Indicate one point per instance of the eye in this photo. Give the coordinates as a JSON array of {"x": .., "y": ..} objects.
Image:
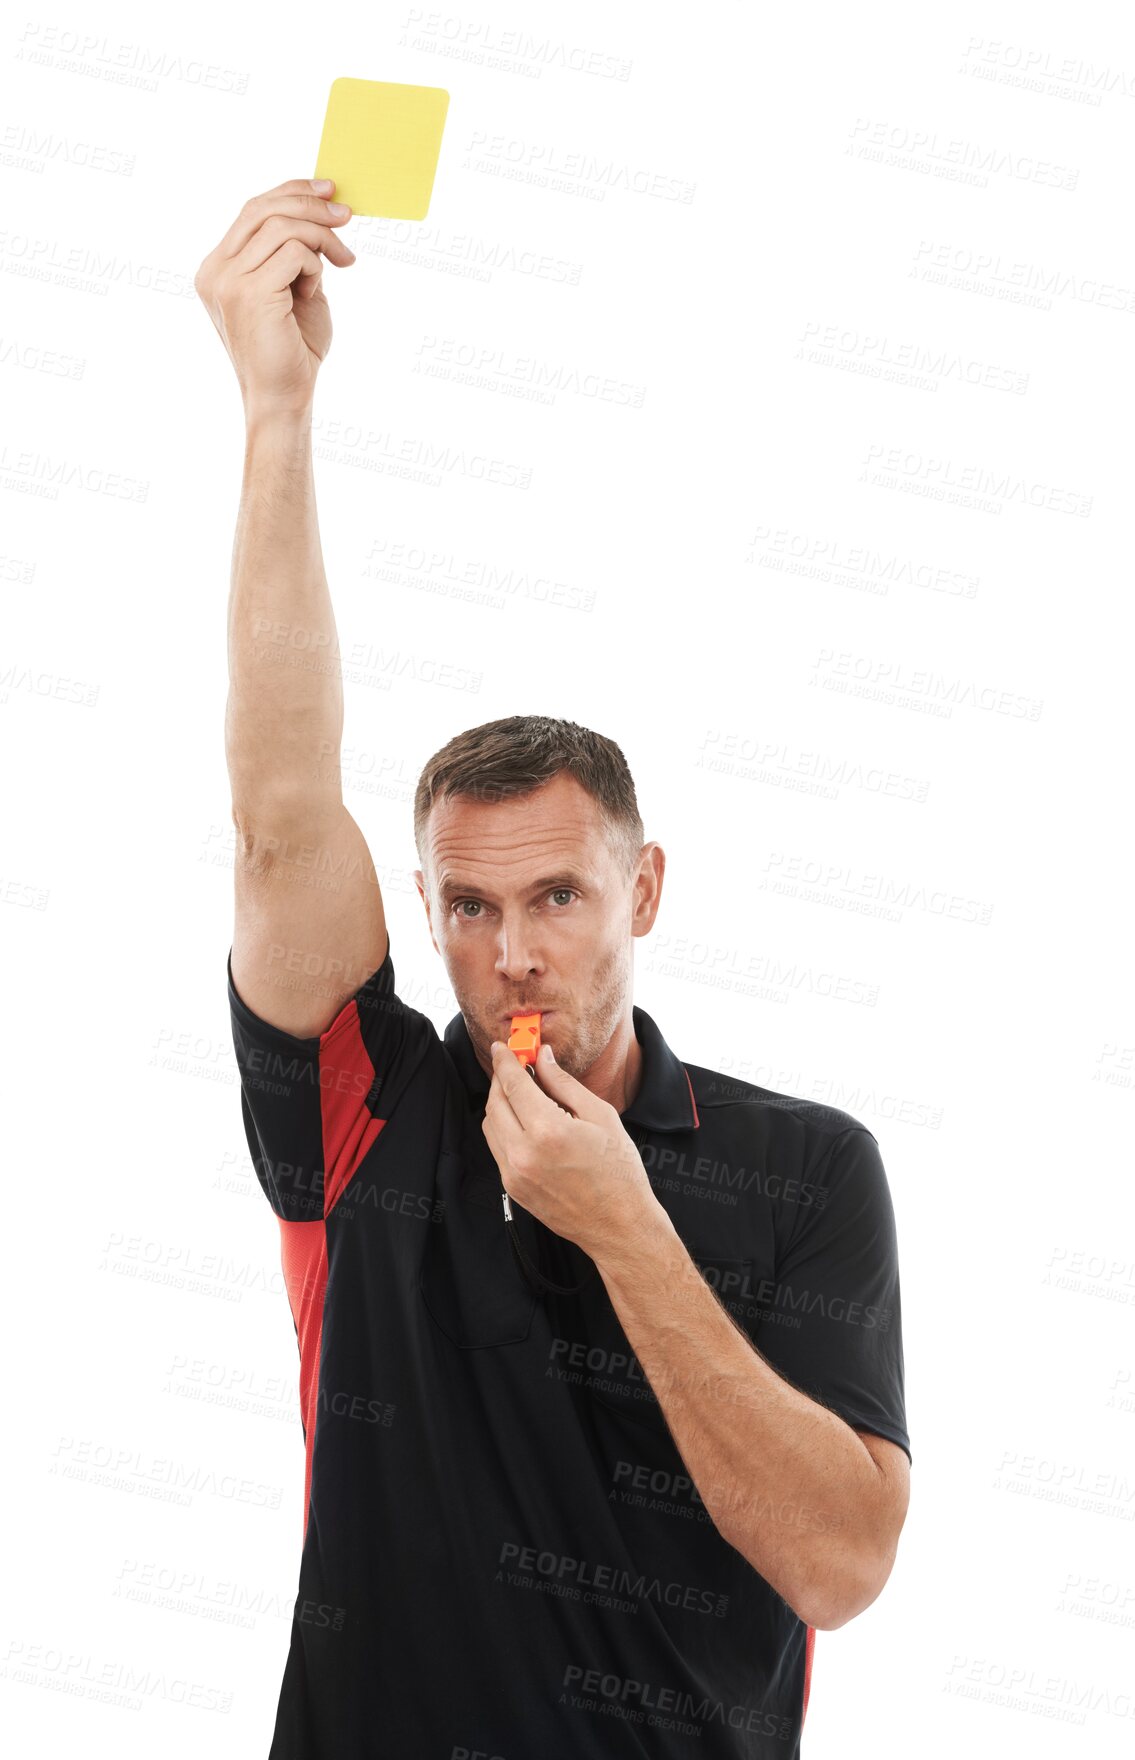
[{"x": 566, "y": 893}]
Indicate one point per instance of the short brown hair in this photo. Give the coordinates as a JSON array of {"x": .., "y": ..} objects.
[{"x": 515, "y": 755}]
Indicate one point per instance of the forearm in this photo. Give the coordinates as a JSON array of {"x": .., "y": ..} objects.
[
  {"x": 786, "y": 1481},
  {"x": 284, "y": 717}
]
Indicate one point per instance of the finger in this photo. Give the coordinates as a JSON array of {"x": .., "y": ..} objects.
[
  {"x": 293, "y": 262},
  {"x": 517, "y": 1088},
  {"x": 296, "y": 186},
  {"x": 276, "y": 230},
  {"x": 300, "y": 204},
  {"x": 282, "y": 199}
]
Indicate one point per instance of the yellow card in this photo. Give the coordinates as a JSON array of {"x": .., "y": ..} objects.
[{"x": 381, "y": 144}]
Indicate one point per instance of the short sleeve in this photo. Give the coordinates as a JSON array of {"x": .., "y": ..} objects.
[
  {"x": 313, "y": 1107},
  {"x": 831, "y": 1321}
]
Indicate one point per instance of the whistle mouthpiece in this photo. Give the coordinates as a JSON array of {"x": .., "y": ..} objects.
[{"x": 524, "y": 1037}]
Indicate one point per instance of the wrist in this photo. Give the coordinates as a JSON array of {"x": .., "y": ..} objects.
[
  {"x": 649, "y": 1236},
  {"x": 270, "y": 421}
]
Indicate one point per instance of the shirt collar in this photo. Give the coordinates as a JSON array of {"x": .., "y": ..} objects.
[{"x": 665, "y": 1098}]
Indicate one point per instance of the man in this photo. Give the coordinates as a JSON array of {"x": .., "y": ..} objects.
[{"x": 601, "y": 1371}]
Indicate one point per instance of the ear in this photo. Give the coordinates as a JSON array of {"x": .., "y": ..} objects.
[{"x": 648, "y": 888}]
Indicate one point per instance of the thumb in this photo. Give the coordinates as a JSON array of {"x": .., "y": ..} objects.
[
  {"x": 560, "y": 1085},
  {"x": 553, "y": 1076}
]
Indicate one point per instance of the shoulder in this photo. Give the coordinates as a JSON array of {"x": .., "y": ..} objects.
[{"x": 811, "y": 1127}]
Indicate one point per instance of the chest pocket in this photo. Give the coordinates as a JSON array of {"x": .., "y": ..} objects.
[
  {"x": 468, "y": 1277},
  {"x": 614, "y": 1376}
]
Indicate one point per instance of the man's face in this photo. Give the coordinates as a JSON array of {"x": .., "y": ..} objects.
[{"x": 529, "y": 911}]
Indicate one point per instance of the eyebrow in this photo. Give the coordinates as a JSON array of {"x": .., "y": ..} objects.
[{"x": 451, "y": 888}]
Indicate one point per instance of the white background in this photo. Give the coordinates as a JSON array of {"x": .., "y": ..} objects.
[{"x": 857, "y": 615}]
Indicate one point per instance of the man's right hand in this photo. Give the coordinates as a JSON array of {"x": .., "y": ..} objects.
[{"x": 262, "y": 287}]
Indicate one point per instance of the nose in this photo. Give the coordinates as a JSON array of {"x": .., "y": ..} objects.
[{"x": 518, "y": 957}]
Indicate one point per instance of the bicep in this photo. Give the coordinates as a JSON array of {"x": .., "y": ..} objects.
[
  {"x": 309, "y": 924},
  {"x": 834, "y": 1327}
]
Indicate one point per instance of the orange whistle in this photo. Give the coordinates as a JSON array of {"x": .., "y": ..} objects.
[{"x": 524, "y": 1037}]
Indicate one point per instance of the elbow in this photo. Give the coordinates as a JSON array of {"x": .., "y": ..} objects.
[
  {"x": 843, "y": 1596},
  {"x": 826, "y": 1586},
  {"x": 829, "y": 1615},
  {"x": 826, "y": 1594}
]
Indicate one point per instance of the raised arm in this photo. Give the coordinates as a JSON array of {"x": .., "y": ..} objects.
[{"x": 309, "y": 922}]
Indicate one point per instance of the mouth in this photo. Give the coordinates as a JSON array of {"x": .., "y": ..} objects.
[{"x": 544, "y": 1013}]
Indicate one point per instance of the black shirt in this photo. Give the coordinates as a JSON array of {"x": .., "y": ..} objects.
[{"x": 503, "y": 1552}]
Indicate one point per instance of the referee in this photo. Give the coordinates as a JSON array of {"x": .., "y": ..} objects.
[{"x": 600, "y": 1366}]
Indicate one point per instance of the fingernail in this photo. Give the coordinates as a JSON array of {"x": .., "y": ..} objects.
[
  {"x": 324, "y": 185},
  {"x": 338, "y": 209}
]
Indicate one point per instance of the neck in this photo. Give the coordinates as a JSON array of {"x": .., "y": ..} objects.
[{"x": 616, "y": 1074}]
